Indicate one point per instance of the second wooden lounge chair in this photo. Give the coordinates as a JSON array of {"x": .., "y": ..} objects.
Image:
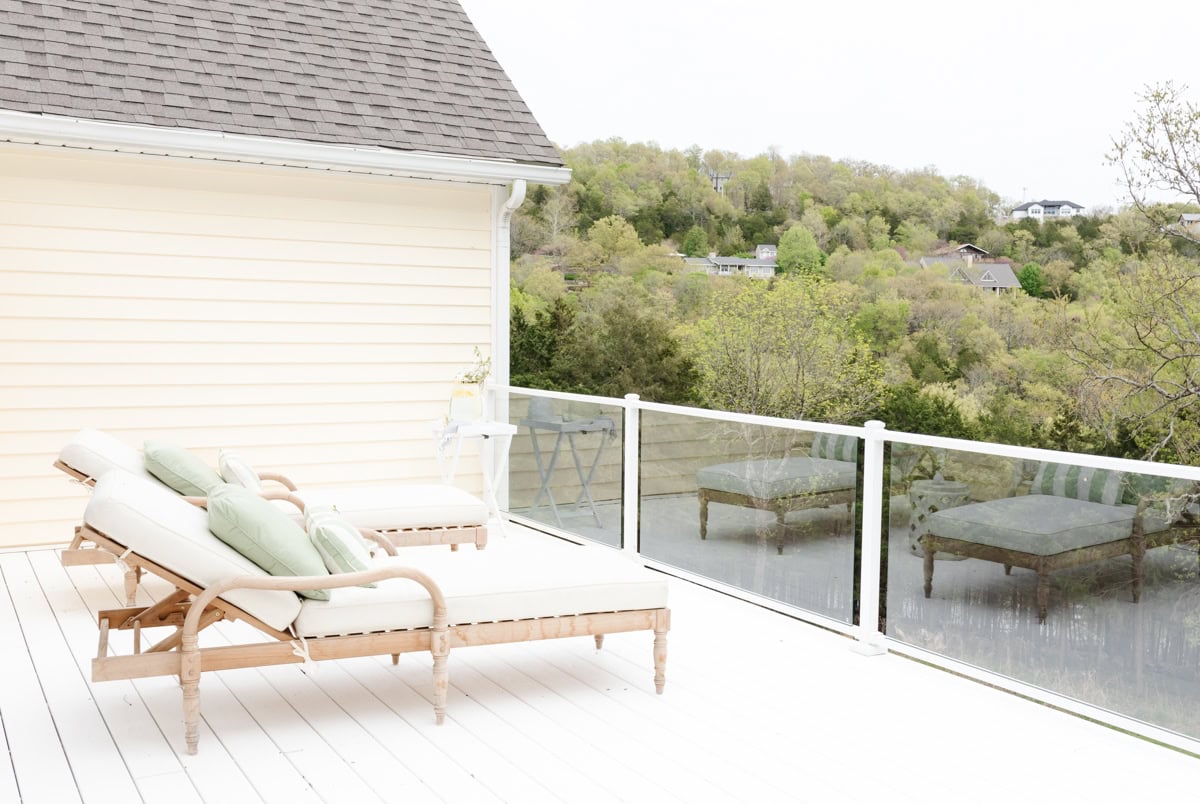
[{"x": 410, "y": 515}]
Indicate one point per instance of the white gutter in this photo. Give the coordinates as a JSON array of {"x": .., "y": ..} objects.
[
  {"x": 503, "y": 209},
  {"x": 67, "y": 132}
]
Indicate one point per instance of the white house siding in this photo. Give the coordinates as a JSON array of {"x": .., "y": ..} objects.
[{"x": 312, "y": 321}]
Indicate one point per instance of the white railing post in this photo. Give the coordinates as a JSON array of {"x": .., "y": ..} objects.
[
  {"x": 630, "y": 495},
  {"x": 498, "y": 412},
  {"x": 870, "y": 641}
]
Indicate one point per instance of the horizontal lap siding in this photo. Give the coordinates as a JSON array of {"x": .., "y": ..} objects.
[{"x": 311, "y": 321}]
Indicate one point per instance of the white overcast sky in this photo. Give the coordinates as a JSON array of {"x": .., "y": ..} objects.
[{"x": 1023, "y": 97}]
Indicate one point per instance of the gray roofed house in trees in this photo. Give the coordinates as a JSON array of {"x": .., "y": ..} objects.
[
  {"x": 994, "y": 276},
  {"x": 400, "y": 74}
]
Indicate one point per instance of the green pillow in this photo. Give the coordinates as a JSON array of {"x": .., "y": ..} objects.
[
  {"x": 180, "y": 469},
  {"x": 339, "y": 543},
  {"x": 264, "y": 534}
]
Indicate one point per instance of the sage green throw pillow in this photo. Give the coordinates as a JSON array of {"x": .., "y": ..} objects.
[
  {"x": 180, "y": 469},
  {"x": 339, "y": 542},
  {"x": 265, "y": 535}
]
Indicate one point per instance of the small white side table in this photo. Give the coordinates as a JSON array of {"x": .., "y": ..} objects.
[
  {"x": 927, "y": 497},
  {"x": 493, "y": 456}
]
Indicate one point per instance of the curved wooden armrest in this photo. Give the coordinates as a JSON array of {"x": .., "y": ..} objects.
[
  {"x": 202, "y": 502},
  {"x": 293, "y": 583},
  {"x": 286, "y": 496},
  {"x": 379, "y": 539},
  {"x": 282, "y": 480}
]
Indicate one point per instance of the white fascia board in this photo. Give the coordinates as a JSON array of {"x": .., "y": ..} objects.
[{"x": 68, "y": 132}]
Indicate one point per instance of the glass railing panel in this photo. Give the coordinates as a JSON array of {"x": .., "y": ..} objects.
[
  {"x": 1035, "y": 572},
  {"x": 565, "y": 465},
  {"x": 751, "y": 507}
]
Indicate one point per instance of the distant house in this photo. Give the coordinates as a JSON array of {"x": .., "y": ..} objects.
[
  {"x": 765, "y": 251},
  {"x": 733, "y": 266},
  {"x": 993, "y": 276},
  {"x": 1040, "y": 210},
  {"x": 1190, "y": 222},
  {"x": 968, "y": 252}
]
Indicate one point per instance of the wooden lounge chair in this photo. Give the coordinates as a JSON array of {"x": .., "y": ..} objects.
[
  {"x": 410, "y": 515},
  {"x": 1071, "y": 516},
  {"x": 827, "y": 477},
  {"x": 427, "y": 601}
]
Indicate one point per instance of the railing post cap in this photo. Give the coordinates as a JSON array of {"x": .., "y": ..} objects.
[
  {"x": 632, "y": 397},
  {"x": 875, "y": 424}
]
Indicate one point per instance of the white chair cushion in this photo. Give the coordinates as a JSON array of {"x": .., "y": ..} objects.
[
  {"x": 779, "y": 477},
  {"x": 157, "y": 524},
  {"x": 1038, "y": 524},
  {"x": 93, "y": 453},
  {"x": 508, "y": 581},
  {"x": 400, "y": 507}
]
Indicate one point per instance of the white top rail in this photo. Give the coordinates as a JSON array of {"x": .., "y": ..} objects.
[
  {"x": 1049, "y": 455},
  {"x": 608, "y": 401},
  {"x": 895, "y": 436}
]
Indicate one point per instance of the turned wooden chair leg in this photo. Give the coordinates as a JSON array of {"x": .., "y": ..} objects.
[
  {"x": 189, "y": 679},
  {"x": 703, "y": 515},
  {"x": 440, "y": 648},
  {"x": 395, "y": 659},
  {"x": 928, "y": 548},
  {"x": 1043, "y": 595},
  {"x": 1008, "y": 569},
  {"x": 780, "y": 530},
  {"x": 599, "y": 641},
  {"x": 662, "y": 624},
  {"x": 133, "y": 577}
]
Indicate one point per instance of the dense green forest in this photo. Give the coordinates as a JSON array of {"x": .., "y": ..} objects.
[{"x": 1094, "y": 352}]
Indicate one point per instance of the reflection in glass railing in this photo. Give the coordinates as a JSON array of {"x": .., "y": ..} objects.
[
  {"x": 765, "y": 509},
  {"x": 1079, "y": 580},
  {"x": 565, "y": 466}
]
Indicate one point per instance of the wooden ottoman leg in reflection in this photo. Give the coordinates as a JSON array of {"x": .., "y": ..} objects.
[
  {"x": 780, "y": 528},
  {"x": 703, "y": 513},
  {"x": 1043, "y": 593},
  {"x": 926, "y": 542}
]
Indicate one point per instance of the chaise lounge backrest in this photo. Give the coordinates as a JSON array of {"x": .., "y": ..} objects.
[
  {"x": 94, "y": 453},
  {"x": 145, "y": 516}
]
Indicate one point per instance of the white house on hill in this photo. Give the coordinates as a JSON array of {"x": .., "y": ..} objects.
[{"x": 1040, "y": 210}]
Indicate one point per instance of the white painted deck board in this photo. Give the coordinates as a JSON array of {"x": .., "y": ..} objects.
[{"x": 757, "y": 707}]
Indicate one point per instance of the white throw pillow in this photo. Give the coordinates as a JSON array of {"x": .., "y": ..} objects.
[{"x": 235, "y": 470}]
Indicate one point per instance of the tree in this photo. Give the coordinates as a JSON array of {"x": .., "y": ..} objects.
[
  {"x": 695, "y": 242},
  {"x": 1141, "y": 357},
  {"x": 615, "y": 236},
  {"x": 620, "y": 342},
  {"x": 799, "y": 252},
  {"x": 1159, "y": 153},
  {"x": 1030, "y": 277},
  {"x": 789, "y": 350}
]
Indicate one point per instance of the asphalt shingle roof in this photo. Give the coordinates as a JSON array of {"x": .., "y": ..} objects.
[{"x": 412, "y": 75}]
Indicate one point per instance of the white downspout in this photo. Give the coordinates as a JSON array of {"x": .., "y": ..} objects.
[{"x": 504, "y": 208}]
